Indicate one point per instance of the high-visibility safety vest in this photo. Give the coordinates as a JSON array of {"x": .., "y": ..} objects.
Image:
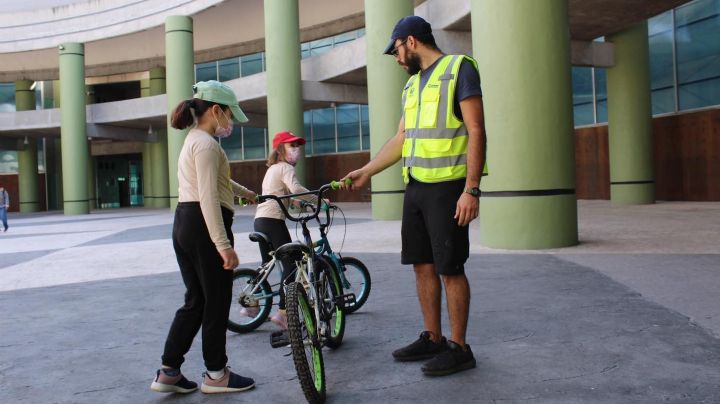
[{"x": 435, "y": 146}]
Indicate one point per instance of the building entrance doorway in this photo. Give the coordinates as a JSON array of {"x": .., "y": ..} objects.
[{"x": 119, "y": 181}]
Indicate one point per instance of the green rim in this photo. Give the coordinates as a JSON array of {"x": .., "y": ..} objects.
[
  {"x": 316, "y": 358},
  {"x": 340, "y": 315}
]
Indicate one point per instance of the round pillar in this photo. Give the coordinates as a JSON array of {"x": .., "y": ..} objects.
[
  {"x": 528, "y": 199},
  {"x": 28, "y": 178},
  {"x": 72, "y": 129},
  {"x": 385, "y": 81},
  {"x": 282, "y": 63},
  {"x": 630, "y": 135},
  {"x": 180, "y": 79}
]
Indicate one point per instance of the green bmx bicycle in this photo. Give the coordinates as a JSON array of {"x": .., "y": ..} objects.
[{"x": 314, "y": 297}]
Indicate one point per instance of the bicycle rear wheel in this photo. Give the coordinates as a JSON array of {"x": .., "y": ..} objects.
[
  {"x": 248, "y": 310},
  {"x": 331, "y": 314},
  {"x": 305, "y": 343},
  {"x": 358, "y": 282}
]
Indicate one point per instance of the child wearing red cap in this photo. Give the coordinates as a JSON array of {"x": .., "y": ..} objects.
[{"x": 279, "y": 179}]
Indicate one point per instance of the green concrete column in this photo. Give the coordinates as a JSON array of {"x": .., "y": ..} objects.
[
  {"x": 53, "y": 161},
  {"x": 159, "y": 149},
  {"x": 282, "y": 63},
  {"x": 630, "y": 135},
  {"x": 72, "y": 128},
  {"x": 523, "y": 50},
  {"x": 148, "y": 192},
  {"x": 385, "y": 81},
  {"x": 180, "y": 77},
  {"x": 28, "y": 178}
]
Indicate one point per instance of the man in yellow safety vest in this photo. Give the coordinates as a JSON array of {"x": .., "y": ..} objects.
[{"x": 441, "y": 141}]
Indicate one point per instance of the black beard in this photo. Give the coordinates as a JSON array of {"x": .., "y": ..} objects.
[{"x": 413, "y": 64}]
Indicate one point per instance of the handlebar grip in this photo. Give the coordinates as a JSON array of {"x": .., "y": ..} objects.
[{"x": 337, "y": 184}]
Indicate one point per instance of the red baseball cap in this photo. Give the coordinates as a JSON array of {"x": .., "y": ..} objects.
[{"x": 286, "y": 137}]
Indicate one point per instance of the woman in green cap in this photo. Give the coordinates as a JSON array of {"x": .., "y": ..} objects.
[{"x": 203, "y": 241}]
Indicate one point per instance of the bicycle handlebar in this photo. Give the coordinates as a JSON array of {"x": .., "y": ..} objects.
[{"x": 318, "y": 192}]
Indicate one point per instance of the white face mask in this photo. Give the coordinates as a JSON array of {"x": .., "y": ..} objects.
[
  {"x": 221, "y": 132},
  {"x": 292, "y": 154}
]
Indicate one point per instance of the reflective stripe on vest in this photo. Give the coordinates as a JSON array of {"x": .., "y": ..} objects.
[{"x": 435, "y": 146}]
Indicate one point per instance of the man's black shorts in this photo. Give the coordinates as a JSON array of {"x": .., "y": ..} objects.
[{"x": 430, "y": 233}]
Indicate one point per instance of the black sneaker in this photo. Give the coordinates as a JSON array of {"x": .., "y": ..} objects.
[
  {"x": 172, "y": 381},
  {"x": 453, "y": 360},
  {"x": 423, "y": 348}
]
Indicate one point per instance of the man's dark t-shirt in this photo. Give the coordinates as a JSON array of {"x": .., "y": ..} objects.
[{"x": 467, "y": 84}]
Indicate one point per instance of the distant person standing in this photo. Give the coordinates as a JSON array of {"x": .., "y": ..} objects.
[
  {"x": 203, "y": 241},
  {"x": 4, "y": 206}
]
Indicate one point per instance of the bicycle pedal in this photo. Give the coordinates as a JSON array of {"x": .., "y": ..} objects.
[
  {"x": 279, "y": 339},
  {"x": 346, "y": 300}
]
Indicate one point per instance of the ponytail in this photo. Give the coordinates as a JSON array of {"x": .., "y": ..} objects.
[
  {"x": 182, "y": 115},
  {"x": 187, "y": 111}
]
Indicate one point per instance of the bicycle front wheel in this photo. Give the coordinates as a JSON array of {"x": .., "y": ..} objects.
[
  {"x": 251, "y": 302},
  {"x": 358, "y": 281},
  {"x": 332, "y": 314},
  {"x": 305, "y": 343}
]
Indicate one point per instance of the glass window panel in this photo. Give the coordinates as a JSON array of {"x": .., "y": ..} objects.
[
  {"x": 320, "y": 46},
  {"x": 251, "y": 64},
  {"x": 41, "y": 155},
  {"x": 346, "y": 37},
  {"x": 305, "y": 50},
  {"x": 365, "y": 123},
  {"x": 8, "y": 162},
  {"x": 323, "y": 131},
  {"x": 233, "y": 144},
  {"x": 206, "y": 71},
  {"x": 307, "y": 126},
  {"x": 229, "y": 69},
  {"x": 661, "y": 71},
  {"x": 582, "y": 95},
  {"x": 7, "y": 97},
  {"x": 698, "y": 53},
  {"x": 601, "y": 94},
  {"x": 660, "y": 23},
  {"x": 254, "y": 142},
  {"x": 38, "y": 95},
  {"x": 348, "y": 127}
]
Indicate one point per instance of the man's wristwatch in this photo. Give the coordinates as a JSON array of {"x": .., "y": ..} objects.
[{"x": 474, "y": 191}]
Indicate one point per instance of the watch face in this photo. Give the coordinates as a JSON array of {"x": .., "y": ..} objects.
[{"x": 473, "y": 191}]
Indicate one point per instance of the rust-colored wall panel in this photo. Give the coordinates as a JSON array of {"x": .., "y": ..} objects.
[
  {"x": 10, "y": 183},
  {"x": 592, "y": 168},
  {"x": 686, "y": 154}
]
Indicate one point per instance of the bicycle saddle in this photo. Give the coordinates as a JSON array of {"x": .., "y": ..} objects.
[
  {"x": 293, "y": 251},
  {"x": 262, "y": 239}
]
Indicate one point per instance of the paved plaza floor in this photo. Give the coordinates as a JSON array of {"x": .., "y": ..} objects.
[{"x": 630, "y": 315}]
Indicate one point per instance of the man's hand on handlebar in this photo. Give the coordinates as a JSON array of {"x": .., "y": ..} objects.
[{"x": 355, "y": 179}]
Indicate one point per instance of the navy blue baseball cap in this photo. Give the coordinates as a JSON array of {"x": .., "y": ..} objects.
[{"x": 410, "y": 25}]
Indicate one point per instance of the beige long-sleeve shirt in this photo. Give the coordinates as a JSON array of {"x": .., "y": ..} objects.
[
  {"x": 279, "y": 180},
  {"x": 204, "y": 176}
]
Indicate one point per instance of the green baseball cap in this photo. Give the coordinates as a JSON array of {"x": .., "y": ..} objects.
[{"x": 215, "y": 91}]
